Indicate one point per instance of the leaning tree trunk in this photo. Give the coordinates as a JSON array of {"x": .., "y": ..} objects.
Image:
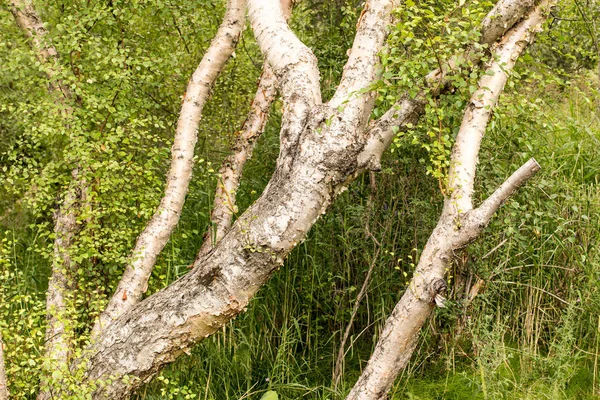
[
  {"x": 323, "y": 147},
  {"x": 459, "y": 223},
  {"x": 155, "y": 235}
]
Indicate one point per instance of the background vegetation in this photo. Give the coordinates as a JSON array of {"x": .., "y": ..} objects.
[{"x": 524, "y": 314}]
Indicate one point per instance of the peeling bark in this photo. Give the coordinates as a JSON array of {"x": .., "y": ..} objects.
[
  {"x": 155, "y": 235},
  {"x": 323, "y": 148},
  {"x": 458, "y": 225},
  {"x": 230, "y": 173},
  {"x": 320, "y": 155}
]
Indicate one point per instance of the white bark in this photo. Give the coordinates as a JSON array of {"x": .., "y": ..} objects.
[
  {"x": 4, "y": 394},
  {"x": 406, "y": 111},
  {"x": 294, "y": 65},
  {"x": 362, "y": 68},
  {"x": 155, "y": 235},
  {"x": 458, "y": 224},
  {"x": 320, "y": 150},
  {"x": 57, "y": 346},
  {"x": 230, "y": 173}
]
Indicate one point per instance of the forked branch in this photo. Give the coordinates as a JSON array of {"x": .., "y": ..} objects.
[
  {"x": 458, "y": 225},
  {"x": 407, "y": 110},
  {"x": 230, "y": 173},
  {"x": 293, "y": 63}
]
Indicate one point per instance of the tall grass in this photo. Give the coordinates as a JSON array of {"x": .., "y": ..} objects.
[{"x": 529, "y": 332}]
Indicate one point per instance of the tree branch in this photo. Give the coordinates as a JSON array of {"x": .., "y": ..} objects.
[
  {"x": 465, "y": 153},
  {"x": 232, "y": 168},
  {"x": 407, "y": 110},
  {"x": 455, "y": 228},
  {"x": 155, "y": 235},
  {"x": 32, "y": 26},
  {"x": 293, "y": 63},
  {"x": 361, "y": 69},
  {"x": 156, "y": 331},
  {"x": 230, "y": 173},
  {"x": 57, "y": 346},
  {"x": 486, "y": 210}
]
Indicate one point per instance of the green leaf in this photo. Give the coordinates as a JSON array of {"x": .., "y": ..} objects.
[{"x": 270, "y": 395}]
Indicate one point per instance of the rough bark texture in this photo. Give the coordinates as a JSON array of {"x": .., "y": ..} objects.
[
  {"x": 224, "y": 206},
  {"x": 61, "y": 285},
  {"x": 155, "y": 235},
  {"x": 323, "y": 148},
  {"x": 459, "y": 224},
  {"x": 318, "y": 163}
]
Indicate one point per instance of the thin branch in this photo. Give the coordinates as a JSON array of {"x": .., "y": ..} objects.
[
  {"x": 155, "y": 235},
  {"x": 224, "y": 206},
  {"x": 407, "y": 110},
  {"x": 500, "y": 195},
  {"x": 465, "y": 152},
  {"x": 231, "y": 170}
]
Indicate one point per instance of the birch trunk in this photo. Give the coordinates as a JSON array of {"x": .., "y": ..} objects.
[
  {"x": 323, "y": 148},
  {"x": 155, "y": 235},
  {"x": 459, "y": 223},
  {"x": 231, "y": 170}
]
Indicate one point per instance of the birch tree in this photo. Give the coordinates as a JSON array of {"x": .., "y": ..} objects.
[{"x": 324, "y": 146}]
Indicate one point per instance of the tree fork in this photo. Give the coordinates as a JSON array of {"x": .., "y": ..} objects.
[
  {"x": 155, "y": 235},
  {"x": 232, "y": 168},
  {"x": 459, "y": 223}
]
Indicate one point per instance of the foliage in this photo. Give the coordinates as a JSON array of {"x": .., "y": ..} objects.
[{"x": 531, "y": 331}]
